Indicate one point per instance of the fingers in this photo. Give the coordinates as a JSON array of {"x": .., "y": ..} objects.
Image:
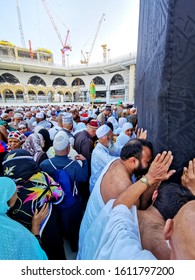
[
  {"x": 43, "y": 211},
  {"x": 170, "y": 173},
  {"x": 185, "y": 170},
  {"x": 168, "y": 160},
  {"x": 191, "y": 167},
  {"x": 157, "y": 158}
]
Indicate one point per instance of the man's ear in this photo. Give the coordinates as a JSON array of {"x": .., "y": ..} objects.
[
  {"x": 168, "y": 229},
  {"x": 134, "y": 161},
  {"x": 154, "y": 196}
]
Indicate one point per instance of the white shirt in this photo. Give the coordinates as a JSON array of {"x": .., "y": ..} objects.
[
  {"x": 99, "y": 159},
  {"x": 114, "y": 235}
]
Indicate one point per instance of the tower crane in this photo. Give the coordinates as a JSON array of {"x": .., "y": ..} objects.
[
  {"x": 65, "y": 46},
  {"x": 20, "y": 25},
  {"x": 86, "y": 60}
]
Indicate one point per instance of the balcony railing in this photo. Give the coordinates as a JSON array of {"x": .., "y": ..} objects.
[{"x": 131, "y": 57}]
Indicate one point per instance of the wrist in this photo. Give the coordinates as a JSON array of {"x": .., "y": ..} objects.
[
  {"x": 191, "y": 188},
  {"x": 145, "y": 181},
  {"x": 35, "y": 230},
  {"x": 150, "y": 179}
]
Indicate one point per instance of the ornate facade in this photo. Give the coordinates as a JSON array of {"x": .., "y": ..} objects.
[{"x": 35, "y": 81}]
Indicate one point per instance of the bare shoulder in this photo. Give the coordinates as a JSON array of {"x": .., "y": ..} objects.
[{"x": 115, "y": 181}]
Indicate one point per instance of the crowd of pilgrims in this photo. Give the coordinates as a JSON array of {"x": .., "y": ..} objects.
[{"x": 41, "y": 207}]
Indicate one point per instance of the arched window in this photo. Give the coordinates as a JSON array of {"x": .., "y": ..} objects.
[
  {"x": 9, "y": 78},
  {"x": 36, "y": 80},
  {"x": 59, "y": 82},
  {"x": 117, "y": 80},
  {"x": 99, "y": 81},
  {"x": 78, "y": 82}
]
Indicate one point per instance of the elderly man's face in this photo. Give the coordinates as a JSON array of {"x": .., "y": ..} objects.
[
  {"x": 17, "y": 120},
  {"x": 14, "y": 143},
  {"x": 28, "y": 115}
]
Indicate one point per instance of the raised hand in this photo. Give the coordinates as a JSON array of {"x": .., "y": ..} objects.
[
  {"x": 159, "y": 168},
  {"x": 38, "y": 217},
  {"x": 141, "y": 134},
  {"x": 188, "y": 176}
]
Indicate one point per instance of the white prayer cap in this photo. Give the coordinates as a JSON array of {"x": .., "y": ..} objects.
[
  {"x": 19, "y": 109},
  {"x": 122, "y": 139},
  {"x": 18, "y": 115},
  {"x": 67, "y": 118},
  {"x": 121, "y": 121},
  {"x": 126, "y": 126},
  {"x": 112, "y": 120},
  {"x": 102, "y": 130},
  {"x": 60, "y": 141},
  {"x": 80, "y": 126},
  {"x": 39, "y": 115}
]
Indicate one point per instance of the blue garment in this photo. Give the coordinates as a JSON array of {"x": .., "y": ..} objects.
[
  {"x": 100, "y": 157},
  {"x": 16, "y": 242},
  {"x": 114, "y": 235},
  {"x": 75, "y": 171},
  {"x": 70, "y": 218}
]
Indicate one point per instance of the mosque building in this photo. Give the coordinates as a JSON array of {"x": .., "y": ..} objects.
[{"x": 30, "y": 77}]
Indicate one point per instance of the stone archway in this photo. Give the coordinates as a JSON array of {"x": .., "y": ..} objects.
[
  {"x": 32, "y": 97},
  {"x": 67, "y": 97},
  {"x": 19, "y": 96},
  {"x": 9, "y": 96}
]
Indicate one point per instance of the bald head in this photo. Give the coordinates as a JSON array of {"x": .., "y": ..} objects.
[{"x": 180, "y": 233}]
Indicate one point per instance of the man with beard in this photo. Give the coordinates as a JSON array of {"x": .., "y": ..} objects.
[
  {"x": 101, "y": 154},
  {"x": 135, "y": 158}
]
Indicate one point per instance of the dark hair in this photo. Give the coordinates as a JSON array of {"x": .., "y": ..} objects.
[
  {"x": 9, "y": 110},
  {"x": 171, "y": 197},
  {"x": 110, "y": 125},
  {"x": 134, "y": 148}
]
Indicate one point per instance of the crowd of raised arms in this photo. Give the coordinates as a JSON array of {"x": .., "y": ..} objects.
[{"x": 87, "y": 175}]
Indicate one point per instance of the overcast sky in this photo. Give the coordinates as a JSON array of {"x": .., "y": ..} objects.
[{"x": 118, "y": 30}]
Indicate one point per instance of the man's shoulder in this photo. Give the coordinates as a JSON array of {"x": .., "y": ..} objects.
[
  {"x": 45, "y": 162},
  {"x": 80, "y": 134}
]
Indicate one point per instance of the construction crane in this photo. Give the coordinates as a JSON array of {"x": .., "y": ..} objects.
[
  {"x": 85, "y": 60},
  {"x": 65, "y": 46},
  {"x": 20, "y": 25}
]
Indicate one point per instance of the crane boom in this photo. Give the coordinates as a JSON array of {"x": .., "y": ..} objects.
[
  {"x": 86, "y": 61},
  {"x": 52, "y": 21},
  {"x": 96, "y": 34},
  {"x": 65, "y": 46},
  {"x": 20, "y": 25}
]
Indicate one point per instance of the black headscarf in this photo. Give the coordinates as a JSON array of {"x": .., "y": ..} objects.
[
  {"x": 19, "y": 165},
  {"x": 34, "y": 186},
  {"x": 48, "y": 142}
]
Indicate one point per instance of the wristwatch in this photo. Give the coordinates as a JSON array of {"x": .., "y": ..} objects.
[{"x": 145, "y": 181}]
